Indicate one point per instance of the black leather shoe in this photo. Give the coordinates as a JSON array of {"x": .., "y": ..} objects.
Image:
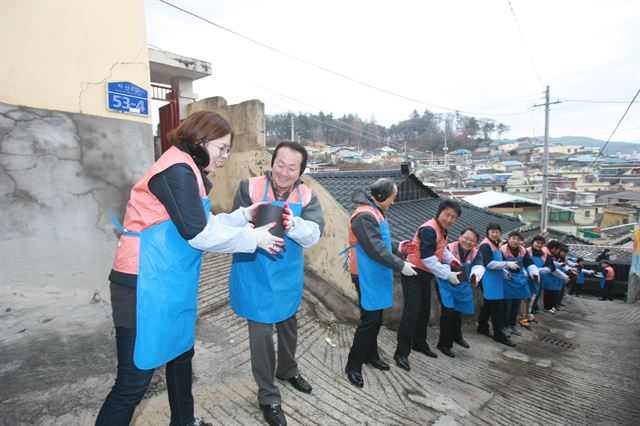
[
  {"x": 462, "y": 343},
  {"x": 273, "y": 414},
  {"x": 427, "y": 351},
  {"x": 402, "y": 362},
  {"x": 505, "y": 341},
  {"x": 447, "y": 351},
  {"x": 200, "y": 422},
  {"x": 355, "y": 377},
  {"x": 378, "y": 363},
  {"x": 484, "y": 331},
  {"x": 299, "y": 383}
]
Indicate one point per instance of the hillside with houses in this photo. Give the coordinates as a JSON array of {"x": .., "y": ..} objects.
[{"x": 592, "y": 196}]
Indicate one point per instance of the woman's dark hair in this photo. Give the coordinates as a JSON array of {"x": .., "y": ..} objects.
[
  {"x": 195, "y": 130},
  {"x": 200, "y": 127},
  {"x": 578, "y": 260},
  {"x": 473, "y": 231},
  {"x": 382, "y": 189},
  {"x": 493, "y": 226},
  {"x": 515, "y": 234},
  {"x": 449, "y": 204},
  {"x": 295, "y": 146},
  {"x": 538, "y": 238},
  {"x": 553, "y": 244}
]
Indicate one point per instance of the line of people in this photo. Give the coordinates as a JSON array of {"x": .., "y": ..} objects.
[{"x": 512, "y": 280}]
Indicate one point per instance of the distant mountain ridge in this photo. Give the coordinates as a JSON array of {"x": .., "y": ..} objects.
[{"x": 612, "y": 147}]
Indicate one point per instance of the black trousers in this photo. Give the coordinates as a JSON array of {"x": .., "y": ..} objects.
[
  {"x": 493, "y": 309},
  {"x": 450, "y": 326},
  {"x": 511, "y": 308},
  {"x": 606, "y": 291},
  {"x": 578, "y": 289},
  {"x": 415, "y": 312},
  {"x": 131, "y": 385},
  {"x": 550, "y": 298},
  {"x": 573, "y": 287},
  {"x": 365, "y": 339},
  {"x": 560, "y": 295}
]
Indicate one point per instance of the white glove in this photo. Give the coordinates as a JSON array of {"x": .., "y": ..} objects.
[
  {"x": 513, "y": 266},
  {"x": 453, "y": 278},
  {"x": 249, "y": 213},
  {"x": 407, "y": 270},
  {"x": 268, "y": 242}
]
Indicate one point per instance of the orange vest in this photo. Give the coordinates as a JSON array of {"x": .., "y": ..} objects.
[
  {"x": 545, "y": 253},
  {"x": 441, "y": 242},
  {"x": 492, "y": 244},
  {"x": 507, "y": 254},
  {"x": 144, "y": 210},
  {"x": 258, "y": 183},
  {"x": 353, "y": 262},
  {"x": 453, "y": 248},
  {"x": 610, "y": 273}
]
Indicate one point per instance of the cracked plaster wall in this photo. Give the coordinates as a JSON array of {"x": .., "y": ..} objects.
[
  {"x": 62, "y": 176},
  {"x": 60, "y": 55}
]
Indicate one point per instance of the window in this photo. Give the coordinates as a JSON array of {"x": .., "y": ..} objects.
[{"x": 587, "y": 213}]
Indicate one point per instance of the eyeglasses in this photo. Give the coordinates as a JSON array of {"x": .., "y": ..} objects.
[
  {"x": 224, "y": 149},
  {"x": 469, "y": 240}
]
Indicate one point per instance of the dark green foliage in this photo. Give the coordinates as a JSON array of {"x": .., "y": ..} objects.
[{"x": 421, "y": 132}]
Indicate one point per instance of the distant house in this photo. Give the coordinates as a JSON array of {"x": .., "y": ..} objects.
[
  {"x": 620, "y": 173},
  {"x": 461, "y": 152},
  {"x": 526, "y": 209},
  {"x": 512, "y": 165}
]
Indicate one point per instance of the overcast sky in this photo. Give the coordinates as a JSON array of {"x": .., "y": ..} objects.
[{"x": 466, "y": 55}]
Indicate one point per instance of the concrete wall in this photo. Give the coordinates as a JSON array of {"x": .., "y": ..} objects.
[
  {"x": 247, "y": 120},
  {"x": 66, "y": 163},
  {"x": 58, "y": 55},
  {"x": 63, "y": 175}
]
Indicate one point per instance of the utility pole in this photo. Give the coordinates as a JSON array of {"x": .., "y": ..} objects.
[
  {"x": 545, "y": 166},
  {"x": 445, "y": 149},
  {"x": 544, "y": 213},
  {"x": 293, "y": 130}
]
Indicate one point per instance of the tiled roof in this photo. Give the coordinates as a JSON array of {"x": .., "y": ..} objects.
[
  {"x": 618, "y": 255},
  {"x": 619, "y": 231},
  {"x": 552, "y": 234},
  {"x": 415, "y": 204}
]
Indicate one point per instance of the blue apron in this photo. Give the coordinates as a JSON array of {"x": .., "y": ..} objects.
[
  {"x": 493, "y": 280},
  {"x": 603, "y": 280},
  {"x": 166, "y": 293},
  {"x": 375, "y": 279},
  {"x": 580, "y": 277},
  {"x": 517, "y": 287},
  {"x": 544, "y": 278},
  {"x": 267, "y": 287},
  {"x": 458, "y": 297}
]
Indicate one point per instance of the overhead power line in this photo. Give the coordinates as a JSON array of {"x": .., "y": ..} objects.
[
  {"x": 330, "y": 71},
  {"x": 526, "y": 48},
  {"x": 612, "y": 133},
  {"x": 596, "y": 101}
]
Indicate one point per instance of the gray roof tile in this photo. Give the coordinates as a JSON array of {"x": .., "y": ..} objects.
[{"x": 415, "y": 204}]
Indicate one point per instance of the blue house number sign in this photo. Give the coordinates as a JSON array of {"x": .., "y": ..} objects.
[{"x": 128, "y": 98}]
